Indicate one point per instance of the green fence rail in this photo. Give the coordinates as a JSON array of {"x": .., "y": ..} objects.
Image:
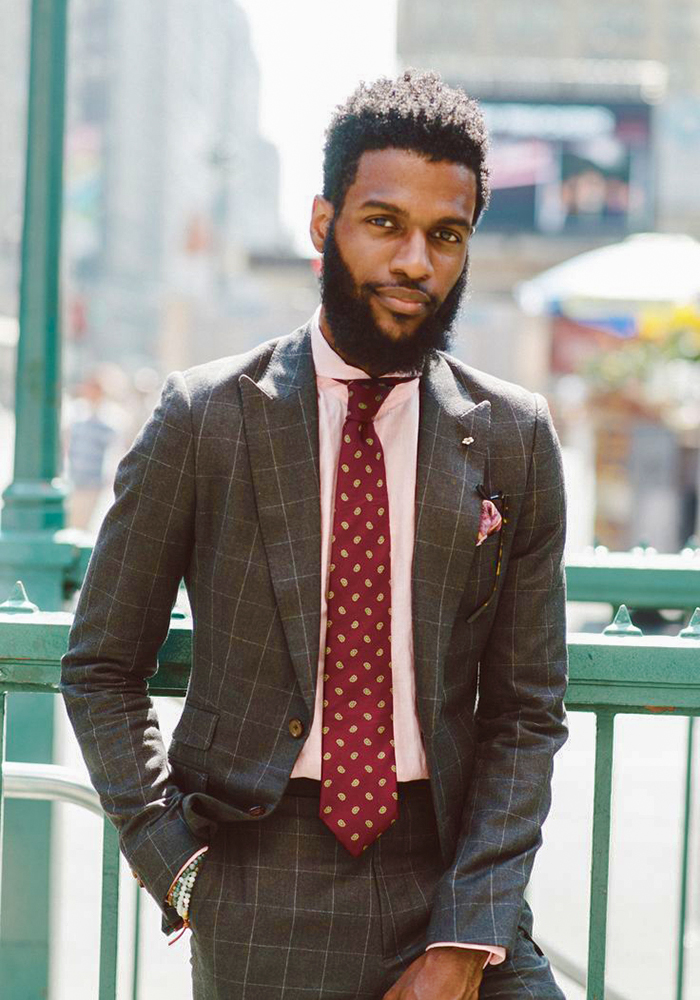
[
  {"x": 51, "y": 783},
  {"x": 641, "y": 578},
  {"x": 645, "y": 579},
  {"x": 609, "y": 675}
]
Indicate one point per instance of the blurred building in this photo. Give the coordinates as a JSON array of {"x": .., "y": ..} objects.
[
  {"x": 169, "y": 186},
  {"x": 544, "y": 43},
  {"x": 594, "y": 115},
  {"x": 452, "y": 32}
]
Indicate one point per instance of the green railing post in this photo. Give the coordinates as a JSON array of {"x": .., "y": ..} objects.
[
  {"x": 685, "y": 858},
  {"x": 34, "y": 500},
  {"x": 26, "y": 845},
  {"x": 110, "y": 912},
  {"x": 137, "y": 946},
  {"x": 3, "y": 702},
  {"x": 33, "y": 510},
  {"x": 600, "y": 855},
  {"x": 692, "y": 632}
]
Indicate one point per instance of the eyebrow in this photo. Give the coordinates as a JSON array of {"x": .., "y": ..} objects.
[{"x": 448, "y": 220}]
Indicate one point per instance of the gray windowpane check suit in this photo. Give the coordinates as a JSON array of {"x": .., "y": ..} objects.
[{"x": 221, "y": 487}]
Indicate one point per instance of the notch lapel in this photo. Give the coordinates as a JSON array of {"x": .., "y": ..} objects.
[
  {"x": 447, "y": 521},
  {"x": 280, "y": 414}
]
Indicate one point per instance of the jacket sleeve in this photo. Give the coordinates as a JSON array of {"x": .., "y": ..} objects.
[
  {"x": 122, "y": 618},
  {"x": 520, "y": 719}
]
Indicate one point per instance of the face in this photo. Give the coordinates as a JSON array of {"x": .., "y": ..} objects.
[{"x": 395, "y": 258}]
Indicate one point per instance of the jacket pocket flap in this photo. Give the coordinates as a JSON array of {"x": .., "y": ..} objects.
[{"x": 196, "y": 727}]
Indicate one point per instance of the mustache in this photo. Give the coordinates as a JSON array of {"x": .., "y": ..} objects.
[{"x": 408, "y": 285}]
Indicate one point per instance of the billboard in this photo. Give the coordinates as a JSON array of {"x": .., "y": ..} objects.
[{"x": 571, "y": 168}]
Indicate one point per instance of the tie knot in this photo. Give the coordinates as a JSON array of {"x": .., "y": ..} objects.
[{"x": 366, "y": 395}]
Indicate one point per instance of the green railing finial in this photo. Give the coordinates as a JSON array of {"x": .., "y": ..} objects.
[
  {"x": 692, "y": 545},
  {"x": 692, "y": 629},
  {"x": 622, "y": 624},
  {"x": 18, "y": 603},
  {"x": 643, "y": 548}
]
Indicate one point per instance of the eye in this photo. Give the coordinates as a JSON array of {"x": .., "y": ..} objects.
[
  {"x": 448, "y": 236},
  {"x": 382, "y": 222}
]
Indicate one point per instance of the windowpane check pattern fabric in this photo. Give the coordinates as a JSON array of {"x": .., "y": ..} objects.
[
  {"x": 280, "y": 911},
  {"x": 359, "y": 798},
  {"x": 222, "y": 487}
]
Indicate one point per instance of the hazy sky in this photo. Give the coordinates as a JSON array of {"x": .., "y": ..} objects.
[{"x": 312, "y": 53}]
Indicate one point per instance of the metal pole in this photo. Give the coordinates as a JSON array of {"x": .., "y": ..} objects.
[
  {"x": 3, "y": 702},
  {"x": 110, "y": 912},
  {"x": 34, "y": 502},
  {"x": 683, "y": 905},
  {"x": 600, "y": 860},
  {"x": 137, "y": 945}
]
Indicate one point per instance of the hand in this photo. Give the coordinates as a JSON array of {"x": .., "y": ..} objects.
[{"x": 441, "y": 974}]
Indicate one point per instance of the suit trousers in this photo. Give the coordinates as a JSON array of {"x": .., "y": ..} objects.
[{"x": 280, "y": 911}]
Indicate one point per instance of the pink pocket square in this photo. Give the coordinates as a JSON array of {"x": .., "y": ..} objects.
[{"x": 489, "y": 521}]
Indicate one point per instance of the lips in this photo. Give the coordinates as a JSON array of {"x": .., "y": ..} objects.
[{"x": 408, "y": 301}]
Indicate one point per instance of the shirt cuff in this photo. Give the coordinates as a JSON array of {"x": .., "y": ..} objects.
[
  {"x": 189, "y": 861},
  {"x": 495, "y": 956}
]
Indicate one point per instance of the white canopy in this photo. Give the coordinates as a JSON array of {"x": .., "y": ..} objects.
[{"x": 645, "y": 269}]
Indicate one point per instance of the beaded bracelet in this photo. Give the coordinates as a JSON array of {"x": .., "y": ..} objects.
[{"x": 180, "y": 894}]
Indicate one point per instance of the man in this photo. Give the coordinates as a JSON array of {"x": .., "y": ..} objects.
[{"x": 371, "y": 536}]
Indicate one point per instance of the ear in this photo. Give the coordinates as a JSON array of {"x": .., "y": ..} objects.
[{"x": 321, "y": 216}]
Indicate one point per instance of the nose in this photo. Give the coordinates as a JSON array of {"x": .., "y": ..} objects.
[{"x": 412, "y": 257}]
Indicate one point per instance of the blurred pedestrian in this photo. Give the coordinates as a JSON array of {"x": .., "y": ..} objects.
[{"x": 93, "y": 427}]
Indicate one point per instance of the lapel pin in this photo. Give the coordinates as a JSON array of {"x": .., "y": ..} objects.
[{"x": 469, "y": 440}]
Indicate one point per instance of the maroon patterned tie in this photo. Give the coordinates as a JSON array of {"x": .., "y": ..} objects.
[{"x": 359, "y": 798}]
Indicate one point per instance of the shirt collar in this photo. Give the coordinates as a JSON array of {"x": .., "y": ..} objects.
[{"x": 329, "y": 364}]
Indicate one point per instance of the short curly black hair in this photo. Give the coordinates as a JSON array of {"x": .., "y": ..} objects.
[{"x": 416, "y": 112}]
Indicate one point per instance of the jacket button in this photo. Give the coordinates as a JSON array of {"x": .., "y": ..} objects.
[
  {"x": 296, "y": 728},
  {"x": 256, "y": 811}
]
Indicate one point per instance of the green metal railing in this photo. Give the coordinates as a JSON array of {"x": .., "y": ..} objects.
[
  {"x": 34, "y": 544},
  {"x": 641, "y": 578},
  {"x": 646, "y": 580},
  {"x": 609, "y": 675},
  {"x": 31, "y": 644},
  {"x": 51, "y": 783}
]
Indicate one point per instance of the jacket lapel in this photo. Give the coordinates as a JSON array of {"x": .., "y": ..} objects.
[
  {"x": 280, "y": 414},
  {"x": 448, "y": 508}
]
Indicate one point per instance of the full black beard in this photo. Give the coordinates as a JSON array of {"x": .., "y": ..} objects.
[{"x": 356, "y": 336}]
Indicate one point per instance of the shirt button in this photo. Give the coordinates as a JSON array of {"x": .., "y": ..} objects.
[
  {"x": 296, "y": 728},
  {"x": 256, "y": 811}
]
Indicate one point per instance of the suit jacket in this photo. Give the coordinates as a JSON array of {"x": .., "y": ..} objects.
[{"x": 221, "y": 487}]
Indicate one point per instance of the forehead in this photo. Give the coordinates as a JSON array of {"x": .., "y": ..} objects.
[{"x": 413, "y": 183}]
